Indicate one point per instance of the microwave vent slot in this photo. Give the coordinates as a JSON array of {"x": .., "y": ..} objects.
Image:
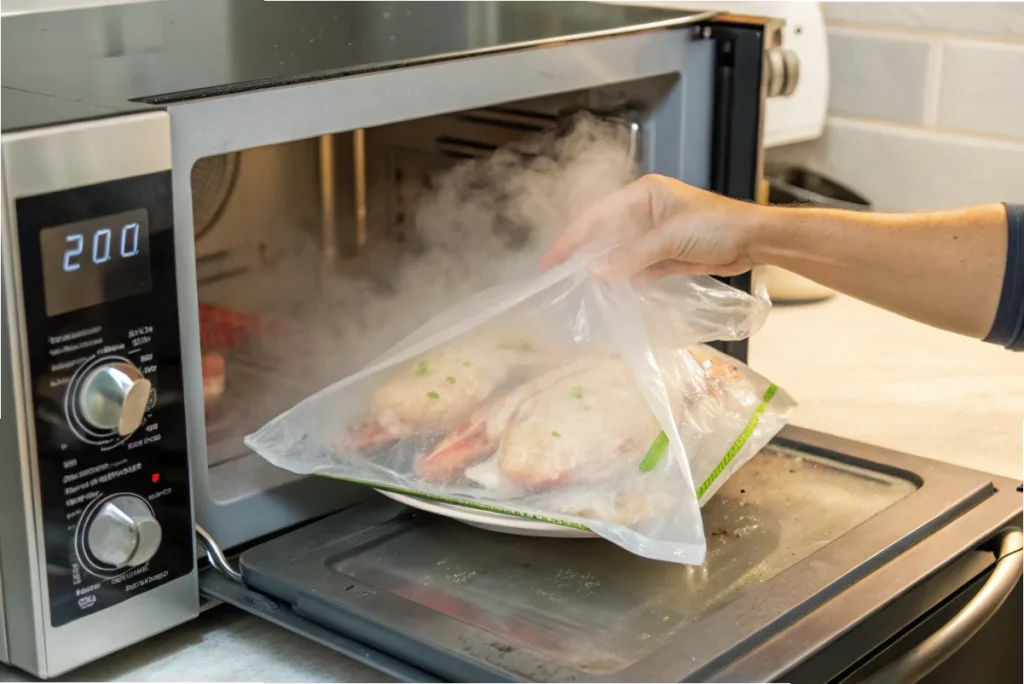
[
  {"x": 480, "y": 132},
  {"x": 464, "y": 149},
  {"x": 514, "y": 119}
]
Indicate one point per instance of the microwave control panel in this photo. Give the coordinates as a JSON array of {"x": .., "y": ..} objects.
[{"x": 101, "y": 321}]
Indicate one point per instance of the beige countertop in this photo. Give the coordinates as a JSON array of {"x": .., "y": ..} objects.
[
  {"x": 858, "y": 372},
  {"x": 863, "y": 373},
  {"x": 221, "y": 645}
]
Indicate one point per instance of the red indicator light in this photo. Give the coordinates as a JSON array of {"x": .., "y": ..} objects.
[{"x": 155, "y": 478}]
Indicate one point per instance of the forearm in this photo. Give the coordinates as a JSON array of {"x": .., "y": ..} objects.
[{"x": 943, "y": 268}]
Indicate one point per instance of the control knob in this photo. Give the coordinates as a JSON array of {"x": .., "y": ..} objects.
[
  {"x": 123, "y": 533},
  {"x": 114, "y": 396},
  {"x": 783, "y": 71}
]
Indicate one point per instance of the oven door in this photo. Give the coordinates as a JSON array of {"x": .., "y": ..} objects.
[{"x": 820, "y": 551}]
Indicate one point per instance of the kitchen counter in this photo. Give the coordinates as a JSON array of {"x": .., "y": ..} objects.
[
  {"x": 858, "y": 372},
  {"x": 866, "y": 374},
  {"x": 221, "y": 645}
]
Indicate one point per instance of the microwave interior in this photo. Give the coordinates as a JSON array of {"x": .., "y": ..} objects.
[{"x": 314, "y": 256}]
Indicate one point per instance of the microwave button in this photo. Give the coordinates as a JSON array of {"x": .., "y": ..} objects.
[
  {"x": 114, "y": 396},
  {"x": 123, "y": 533}
]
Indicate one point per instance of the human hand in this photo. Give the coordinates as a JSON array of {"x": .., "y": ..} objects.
[{"x": 664, "y": 227}]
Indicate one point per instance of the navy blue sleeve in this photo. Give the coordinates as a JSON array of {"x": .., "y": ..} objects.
[{"x": 1008, "y": 327}]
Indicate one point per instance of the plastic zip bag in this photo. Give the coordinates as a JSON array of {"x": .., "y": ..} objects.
[{"x": 560, "y": 399}]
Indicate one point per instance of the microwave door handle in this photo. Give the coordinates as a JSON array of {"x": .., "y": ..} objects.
[
  {"x": 215, "y": 554},
  {"x": 913, "y": 665}
]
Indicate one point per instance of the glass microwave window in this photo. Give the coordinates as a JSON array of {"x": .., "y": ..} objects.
[{"x": 95, "y": 261}]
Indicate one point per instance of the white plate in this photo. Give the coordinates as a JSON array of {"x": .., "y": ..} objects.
[{"x": 493, "y": 522}]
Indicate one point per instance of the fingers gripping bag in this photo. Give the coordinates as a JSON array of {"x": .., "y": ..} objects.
[{"x": 560, "y": 399}]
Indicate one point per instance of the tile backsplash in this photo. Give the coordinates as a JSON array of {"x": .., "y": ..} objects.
[{"x": 926, "y": 106}]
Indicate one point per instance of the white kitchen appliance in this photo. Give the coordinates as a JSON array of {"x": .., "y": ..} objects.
[{"x": 799, "y": 116}]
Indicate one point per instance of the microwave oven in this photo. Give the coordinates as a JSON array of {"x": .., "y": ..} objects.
[{"x": 248, "y": 186}]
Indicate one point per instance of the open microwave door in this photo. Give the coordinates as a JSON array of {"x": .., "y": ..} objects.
[{"x": 819, "y": 550}]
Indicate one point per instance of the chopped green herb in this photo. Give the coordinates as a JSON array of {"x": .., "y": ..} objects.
[
  {"x": 654, "y": 454},
  {"x": 504, "y": 345},
  {"x": 421, "y": 368},
  {"x": 433, "y": 395},
  {"x": 451, "y": 380},
  {"x": 525, "y": 346},
  {"x": 556, "y": 433},
  {"x": 576, "y": 393},
  {"x": 466, "y": 364}
]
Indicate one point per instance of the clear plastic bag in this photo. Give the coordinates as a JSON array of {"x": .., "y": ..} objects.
[{"x": 561, "y": 399}]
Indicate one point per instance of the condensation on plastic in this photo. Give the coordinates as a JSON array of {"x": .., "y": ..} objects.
[{"x": 562, "y": 399}]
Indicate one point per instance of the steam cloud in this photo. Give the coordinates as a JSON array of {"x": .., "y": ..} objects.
[{"x": 483, "y": 222}]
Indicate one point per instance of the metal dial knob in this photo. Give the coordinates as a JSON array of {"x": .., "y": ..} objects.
[
  {"x": 123, "y": 533},
  {"x": 783, "y": 71},
  {"x": 114, "y": 396}
]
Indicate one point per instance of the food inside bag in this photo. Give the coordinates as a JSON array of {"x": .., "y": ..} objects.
[{"x": 561, "y": 399}]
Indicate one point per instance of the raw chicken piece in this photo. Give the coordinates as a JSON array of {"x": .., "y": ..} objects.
[
  {"x": 580, "y": 428},
  {"x": 440, "y": 388},
  {"x": 578, "y": 422},
  {"x": 477, "y": 437},
  {"x": 464, "y": 446},
  {"x": 716, "y": 368}
]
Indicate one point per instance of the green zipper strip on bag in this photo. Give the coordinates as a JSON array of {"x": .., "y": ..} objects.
[
  {"x": 740, "y": 441},
  {"x": 459, "y": 502}
]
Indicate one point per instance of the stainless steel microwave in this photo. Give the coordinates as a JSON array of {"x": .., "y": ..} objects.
[{"x": 186, "y": 183}]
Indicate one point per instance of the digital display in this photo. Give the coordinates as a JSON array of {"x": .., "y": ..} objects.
[{"x": 95, "y": 261}]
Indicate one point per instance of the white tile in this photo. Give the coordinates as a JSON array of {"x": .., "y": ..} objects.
[
  {"x": 877, "y": 75},
  {"x": 1004, "y": 19},
  {"x": 982, "y": 88},
  {"x": 899, "y": 168}
]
